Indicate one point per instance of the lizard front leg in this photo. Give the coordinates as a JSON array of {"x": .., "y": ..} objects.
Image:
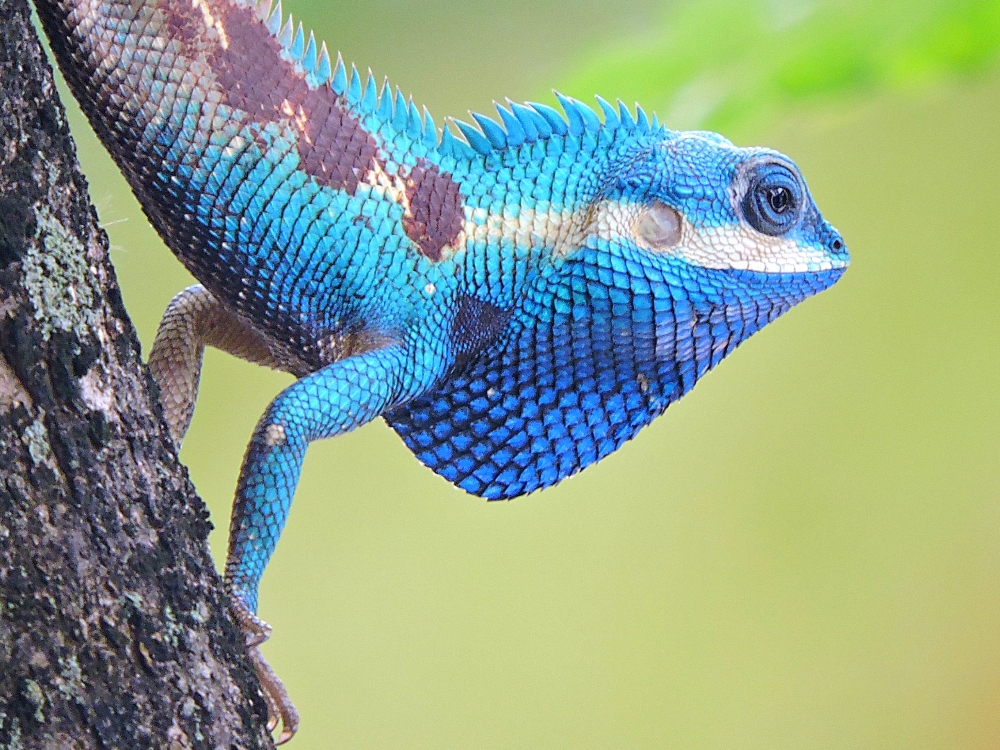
[
  {"x": 193, "y": 320},
  {"x": 329, "y": 402}
]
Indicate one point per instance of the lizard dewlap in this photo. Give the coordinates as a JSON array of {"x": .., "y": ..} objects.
[{"x": 516, "y": 299}]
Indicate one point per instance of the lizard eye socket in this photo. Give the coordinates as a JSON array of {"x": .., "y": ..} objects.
[
  {"x": 659, "y": 226},
  {"x": 773, "y": 200}
]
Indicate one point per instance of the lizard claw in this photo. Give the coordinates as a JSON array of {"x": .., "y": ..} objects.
[
  {"x": 280, "y": 708},
  {"x": 279, "y": 705}
]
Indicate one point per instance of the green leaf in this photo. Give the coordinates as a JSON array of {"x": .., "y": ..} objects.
[{"x": 717, "y": 64}]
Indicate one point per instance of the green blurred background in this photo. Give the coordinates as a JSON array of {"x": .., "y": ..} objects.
[{"x": 804, "y": 552}]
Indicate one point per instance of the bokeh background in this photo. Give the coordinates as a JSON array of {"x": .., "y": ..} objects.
[{"x": 805, "y": 551}]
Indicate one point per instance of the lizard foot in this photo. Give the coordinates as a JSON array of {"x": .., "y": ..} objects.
[{"x": 280, "y": 708}]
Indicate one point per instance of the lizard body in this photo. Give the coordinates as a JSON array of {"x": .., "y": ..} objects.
[{"x": 516, "y": 304}]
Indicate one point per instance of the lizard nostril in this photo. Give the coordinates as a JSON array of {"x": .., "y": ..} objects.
[{"x": 838, "y": 245}]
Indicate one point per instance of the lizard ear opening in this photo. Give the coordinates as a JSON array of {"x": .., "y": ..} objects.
[{"x": 658, "y": 226}]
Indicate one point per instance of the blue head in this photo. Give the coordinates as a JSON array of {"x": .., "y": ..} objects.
[{"x": 695, "y": 198}]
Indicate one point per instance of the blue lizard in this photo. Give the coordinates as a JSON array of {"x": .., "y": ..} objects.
[{"x": 516, "y": 303}]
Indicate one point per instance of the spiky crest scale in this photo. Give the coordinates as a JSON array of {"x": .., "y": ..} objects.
[
  {"x": 323, "y": 70},
  {"x": 451, "y": 146},
  {"x": 430, "y": 137},
  {"x": 384, "y": 108},
  {"x": 527, "y": 119},
  {"x": 285, "y": 36},
  {"x": 474, "y": 137},
  {"x": 641, "y": 121},
  {"x": 415, "y": 128},
  {"x": 309, "y": 58},
  {"x": 339, "y": 81},
  {"x": 354, "y": 87},
  {"x": 492, "y": 130},
  {"x": 516, "y": 134},
  {"x": 627, "y": 121},
  {"x": 552, "y": 117},
  {"x": 399, "y": 113},
  {"x": 370, "y": 99},
  {"x": 298, "y": 46},
  {"x": 611, "y": 121},
  {"x": 274, "y": 20}
]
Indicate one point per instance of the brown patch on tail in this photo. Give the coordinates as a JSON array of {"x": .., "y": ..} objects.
[
  {"x": 182, "y": 23},
  {"x": 334, "y": 147}
]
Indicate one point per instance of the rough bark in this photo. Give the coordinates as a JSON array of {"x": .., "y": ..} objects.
[{"x": 114, "y": 627}]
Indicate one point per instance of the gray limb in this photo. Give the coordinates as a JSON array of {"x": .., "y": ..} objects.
[{"x": 193, "y": 320}]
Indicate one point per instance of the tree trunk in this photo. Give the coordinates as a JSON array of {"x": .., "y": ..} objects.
[{"x": 114, "y": 626}]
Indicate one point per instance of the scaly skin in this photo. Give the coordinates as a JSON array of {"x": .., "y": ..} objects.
[{"x": 516, "y": 305}]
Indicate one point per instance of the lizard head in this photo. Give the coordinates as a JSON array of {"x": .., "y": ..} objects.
[
  {"x": 667, "y": 250},
  {"x": 696, "y": 199}
]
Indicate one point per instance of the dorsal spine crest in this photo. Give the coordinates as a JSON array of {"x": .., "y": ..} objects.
[{"x": 519, "y": 124}]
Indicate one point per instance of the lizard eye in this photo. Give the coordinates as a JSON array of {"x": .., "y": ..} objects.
[
  {"x": 659, "y": 226},
  {"x": 772, "y": 203}
]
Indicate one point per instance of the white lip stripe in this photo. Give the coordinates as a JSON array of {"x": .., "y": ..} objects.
[
  {"x": 740, "y": 248},
  {"x": 733, "y": 247}
]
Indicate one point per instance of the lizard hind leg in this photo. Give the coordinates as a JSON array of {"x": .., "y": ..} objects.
[{"x": 193, "y": 320}]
